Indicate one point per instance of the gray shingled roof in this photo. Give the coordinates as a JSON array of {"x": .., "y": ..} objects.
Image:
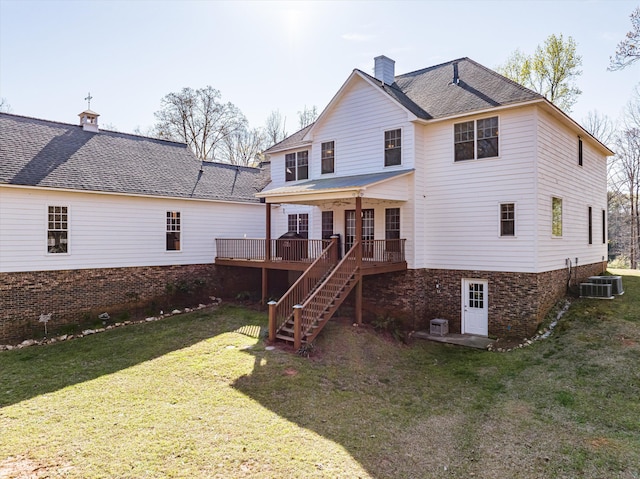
[
  {"x": 291, "y": 141},
  {"x": 56, "y": 155},
  {"x": 479, "y": 88},
  {"x": 429, "y": 93}
]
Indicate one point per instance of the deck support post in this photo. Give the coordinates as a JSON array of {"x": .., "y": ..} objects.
[
  {"x": 267, "y": 236},
  {"x": 297, "y": 327},
  {"x": 267, "y": 254},
  {"x": 265, "y": 286},
  {"x": 272, "y": 320},
  {"x": 359, "y": 259}
]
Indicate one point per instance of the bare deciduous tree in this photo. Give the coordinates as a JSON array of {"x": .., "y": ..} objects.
[
  {"x": 625, "y": 172},
  {"x": 550, "y": 71},
  {"x": 4, "y": 106},
  {"x": 275, "y": 128},
  {"x": 600, "y": 126},
  {"x": 307, "y": 116},
  {"x": 243, "y": 147},
  {"x": 199, "y": 118},
  {"x": 628, "y": 50}
]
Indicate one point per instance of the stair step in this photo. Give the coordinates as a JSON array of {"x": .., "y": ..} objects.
[{"x": 284, "y": 338}]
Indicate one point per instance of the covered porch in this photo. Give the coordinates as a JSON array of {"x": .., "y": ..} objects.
[{"x": 335, "y": 261}]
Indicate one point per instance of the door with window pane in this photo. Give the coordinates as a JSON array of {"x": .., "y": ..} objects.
[{"x": 367, "y": 231}]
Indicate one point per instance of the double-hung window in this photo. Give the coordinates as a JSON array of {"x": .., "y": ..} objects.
[
  {"x": 476, "y": 139},
  {"x": 297, "y": 166},
  {"x": 173, "y": 231},
  {"x": 507, "y": 219},
  {"x": 328, "y": 157},
  {"x": 57, "y": 229},
  {"x": 393, "y": 147}
]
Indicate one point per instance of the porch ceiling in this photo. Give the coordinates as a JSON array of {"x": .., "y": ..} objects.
[{"x": 388, "y": 185}]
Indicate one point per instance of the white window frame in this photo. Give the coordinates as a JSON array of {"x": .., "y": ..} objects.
[
  {"x": 297, "y": 166},
  {"x": 475, "y": 139},
  {"x": 68, "y": 229},
  {"x": 553, "y": 235},
  {"x": 168, "y": 230},
  {"x": 384, "y": 150},
  {"x": 334, "y": 157},
  {"x": 515, "y": 217}
]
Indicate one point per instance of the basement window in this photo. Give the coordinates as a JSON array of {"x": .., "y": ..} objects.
[{"x": 58, "y": 229}]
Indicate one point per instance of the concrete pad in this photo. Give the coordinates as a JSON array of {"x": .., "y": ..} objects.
[{"x": 468, "y": 340}]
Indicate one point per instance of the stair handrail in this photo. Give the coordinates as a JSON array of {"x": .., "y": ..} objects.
[
  {"x": 320, "y": 299},
  {"x": 297, "y": 293}
]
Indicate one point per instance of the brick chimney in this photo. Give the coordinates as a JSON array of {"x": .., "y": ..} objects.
[{"x": 384, "y": 69}]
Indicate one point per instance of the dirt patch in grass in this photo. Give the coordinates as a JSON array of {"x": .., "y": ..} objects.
[{"x": 20, "y": 467}]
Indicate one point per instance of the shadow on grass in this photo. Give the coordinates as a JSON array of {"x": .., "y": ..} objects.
[
  {"x": 37, "y": 370},
  {"x": 385, "y": 403}
]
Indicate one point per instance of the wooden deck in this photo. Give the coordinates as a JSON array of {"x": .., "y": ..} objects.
[{"x": 378, "y": 256}]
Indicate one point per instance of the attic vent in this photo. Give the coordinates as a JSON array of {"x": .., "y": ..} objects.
[{"x": 593, "y": 290}]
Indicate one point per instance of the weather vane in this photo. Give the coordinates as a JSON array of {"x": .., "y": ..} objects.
[{"x": 89, "y": 98}]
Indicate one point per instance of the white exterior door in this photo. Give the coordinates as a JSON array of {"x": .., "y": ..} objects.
[{"x": 475, "y": 307}]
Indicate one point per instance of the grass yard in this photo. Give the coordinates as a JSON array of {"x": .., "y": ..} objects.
[{"x": 199, "y": 396}]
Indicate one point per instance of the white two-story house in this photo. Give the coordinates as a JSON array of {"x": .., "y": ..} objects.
[{"x": 480, "y": 201}]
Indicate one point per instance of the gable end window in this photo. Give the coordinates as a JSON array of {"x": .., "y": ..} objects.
[
  {"x": 476, "y": 139},
  {"x": 173, "y": 231},
  {"x": 393, "y": 147},
  {"x": 57, "y": 229},
  {"x": 556, "y": 216},
  {"x": 328, "y": 157},
  {"x": 507, "y": 219},
  {"x": 297, "y": 166},
  {"x": 579, "y": 151}
]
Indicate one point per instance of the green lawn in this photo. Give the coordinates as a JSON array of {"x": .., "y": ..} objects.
[{"x": 199, "y": 396}]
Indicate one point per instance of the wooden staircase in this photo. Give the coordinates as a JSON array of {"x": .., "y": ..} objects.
[{"x": 301, "y": 321}]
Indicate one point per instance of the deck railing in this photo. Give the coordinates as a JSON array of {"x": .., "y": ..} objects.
[
  {"x": 282, "y": 249},
  {"x": 326, "y": 293},
  {"x": 302, "y": 287},
  {"x": 303, "y": 250},
  {"x": 383, "y": 251}
]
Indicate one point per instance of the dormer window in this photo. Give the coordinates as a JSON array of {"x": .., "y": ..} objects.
[
  {"x": 297, "y": 166},
  {"x": 393, "y": 147},
  {"x": 328, "y": 157}
]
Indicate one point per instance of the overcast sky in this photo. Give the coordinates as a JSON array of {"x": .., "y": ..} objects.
[{"x": 266, "y": 56}]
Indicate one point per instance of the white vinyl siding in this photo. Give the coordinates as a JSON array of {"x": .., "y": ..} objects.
[
  {"x": 459, "y": 217},
  {"x": 138, "y": 240},
  {"x": 579, "y": 187}
]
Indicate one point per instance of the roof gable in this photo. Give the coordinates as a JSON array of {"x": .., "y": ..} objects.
[{"x": 48, "y": 154}]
